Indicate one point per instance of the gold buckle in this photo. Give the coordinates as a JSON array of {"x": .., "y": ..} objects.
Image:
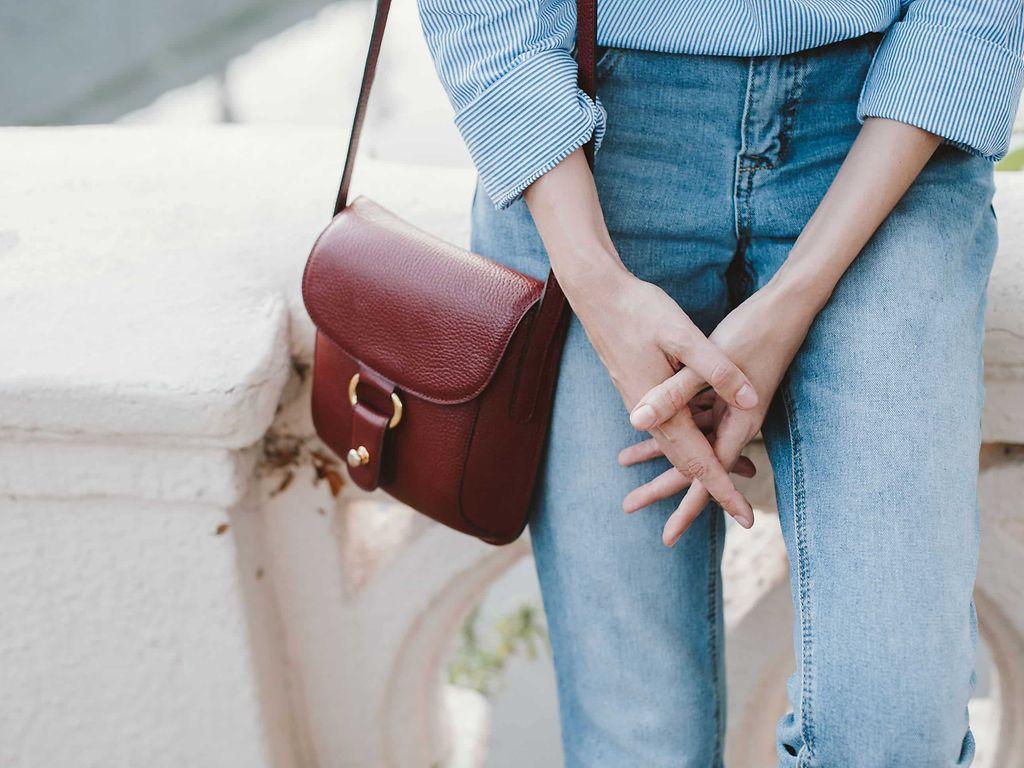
[{"x": 396, "y": 416}]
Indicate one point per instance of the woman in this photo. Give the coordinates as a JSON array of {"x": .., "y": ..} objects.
[{"x": 810, "y": 184}]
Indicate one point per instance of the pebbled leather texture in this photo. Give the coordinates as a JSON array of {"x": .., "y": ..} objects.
[
  {"x": 469, "y": 346},
  {"x": 429, "y": 316}
]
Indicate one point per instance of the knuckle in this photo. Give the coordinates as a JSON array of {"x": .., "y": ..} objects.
[
  {"x": 721, "y": 374},
  {"x": 695, "y": 468},
  {"x": 732, "y": 500}
]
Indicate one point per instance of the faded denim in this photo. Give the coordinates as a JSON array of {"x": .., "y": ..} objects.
[{"x": 708, "y": 171}]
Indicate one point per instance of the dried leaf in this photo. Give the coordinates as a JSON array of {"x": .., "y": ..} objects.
[
  {"x": 221, "y": 529},
  {"x": 281, "y": 450},
  {"x": 285, "y": 482},
  {"x": 335, "y": 480}
]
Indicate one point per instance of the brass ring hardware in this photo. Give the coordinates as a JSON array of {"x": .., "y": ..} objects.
[
  {"x": 396, "y": 416},
  {"x": 357, "y": 457}
]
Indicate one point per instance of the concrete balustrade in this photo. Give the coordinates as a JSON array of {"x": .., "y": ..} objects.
[{"x": 185, "y": 582}]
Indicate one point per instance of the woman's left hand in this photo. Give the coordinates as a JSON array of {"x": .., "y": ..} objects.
[{"x": 762, "y": 335}]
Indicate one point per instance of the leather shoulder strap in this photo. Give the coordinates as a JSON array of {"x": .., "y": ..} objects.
[
  {"x": 380, "y": 20},
  {"x": 586, "y": 57},
  {"x": 586, "y": 41}
]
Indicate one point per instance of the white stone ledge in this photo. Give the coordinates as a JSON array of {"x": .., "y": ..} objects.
[
  {"x": 132, "y": 351},
  {"x": 65, "y": 470}
]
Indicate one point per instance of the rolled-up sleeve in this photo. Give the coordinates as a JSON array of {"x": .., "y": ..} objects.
[
  {"x": 954, "y": 68},
  {"x": 508, "y": 70}
]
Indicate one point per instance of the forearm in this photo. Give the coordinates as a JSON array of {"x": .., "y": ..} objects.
[
  {"x": 567, "y": 213},
  {"x": 881, "y": 165}
]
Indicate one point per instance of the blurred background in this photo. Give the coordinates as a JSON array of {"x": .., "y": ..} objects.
[
  {"x": 183, "y": 65},
  {"x": 194, "y": 62}
]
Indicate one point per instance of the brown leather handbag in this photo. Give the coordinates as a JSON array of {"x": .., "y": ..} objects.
[{"x": 435, "y": 368}]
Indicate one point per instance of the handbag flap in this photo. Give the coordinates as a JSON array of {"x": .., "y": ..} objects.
[{"x": 429, "y": 316}]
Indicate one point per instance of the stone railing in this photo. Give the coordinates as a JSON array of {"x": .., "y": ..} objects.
[{"x": 187, "y": 578}]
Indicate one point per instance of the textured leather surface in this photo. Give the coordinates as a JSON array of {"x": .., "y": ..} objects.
[{"x": 429, "y": 316}]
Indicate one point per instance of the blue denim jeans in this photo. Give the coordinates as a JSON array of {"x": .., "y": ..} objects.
[{"x": 709, "y": 170}]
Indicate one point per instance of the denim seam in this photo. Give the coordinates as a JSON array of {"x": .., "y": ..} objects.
[
  {"x": 789, "y": 109},
  {"x": 716, "y": 759},
  {"x": 803, "y": 579},
  {"x": 741, "y": 167},
  {"x": 747, "y": 162},
  {"x": 746, "y": 165}
]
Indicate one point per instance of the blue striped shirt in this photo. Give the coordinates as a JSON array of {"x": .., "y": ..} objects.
[{"x": 952, "y": 67}]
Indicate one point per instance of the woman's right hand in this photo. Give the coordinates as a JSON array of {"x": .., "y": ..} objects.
[{"x": 641, "y": 335}]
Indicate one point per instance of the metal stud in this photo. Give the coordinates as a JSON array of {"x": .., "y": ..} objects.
[{"x": 357, "y": 457}]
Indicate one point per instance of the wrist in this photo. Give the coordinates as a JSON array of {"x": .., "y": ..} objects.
[
  {"x": 800, "y": 287},
  {"x": 589, "y": 274}
]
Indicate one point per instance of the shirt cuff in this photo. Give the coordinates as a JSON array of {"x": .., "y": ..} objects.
[
  {"x": 954, "y": 84},
  {"x": 527, "y": 122}
]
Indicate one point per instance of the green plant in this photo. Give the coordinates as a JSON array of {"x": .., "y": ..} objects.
[{"x": 480, "y": 667}]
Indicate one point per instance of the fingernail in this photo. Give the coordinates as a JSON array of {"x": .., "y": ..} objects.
[
  {"x": 643, "y": 417},
  {"x": 746, "y": 397},
  {"x": 745, "y": 520}
]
